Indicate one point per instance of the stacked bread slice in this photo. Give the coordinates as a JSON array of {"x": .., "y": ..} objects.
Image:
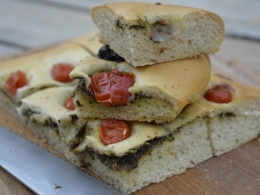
[
  {"x": 145, "y": 34},
  {"x": 173, "y": 124}
]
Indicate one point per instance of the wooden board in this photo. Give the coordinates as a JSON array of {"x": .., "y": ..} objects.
[{"x": 236, "y": 172}]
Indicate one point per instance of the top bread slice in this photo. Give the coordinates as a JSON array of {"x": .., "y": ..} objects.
[{"x": 145, "y": 34}]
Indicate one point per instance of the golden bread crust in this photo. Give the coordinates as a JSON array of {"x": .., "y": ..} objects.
[{"x": 133, "y": 11}]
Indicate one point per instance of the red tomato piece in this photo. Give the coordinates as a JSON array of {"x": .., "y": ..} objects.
[
  {"x": 60, "y": 72},
  {"x": 113, "y": 131},
  {"x": 16, "y": 80},
  {"x": 69, "y": 104},
  {"x": 219, "y": 94},
  {"x": 111, "y": 88}
]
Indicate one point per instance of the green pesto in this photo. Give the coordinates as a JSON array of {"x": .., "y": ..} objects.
[{"x": 130, "y": 160}]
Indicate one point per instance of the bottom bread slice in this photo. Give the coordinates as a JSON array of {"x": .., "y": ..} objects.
[{"x": 153, "y": 152}]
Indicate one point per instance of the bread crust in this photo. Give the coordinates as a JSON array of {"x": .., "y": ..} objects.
[{"x": 134, "y": 11}]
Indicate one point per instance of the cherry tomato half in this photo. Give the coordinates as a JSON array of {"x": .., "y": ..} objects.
[
  {"x": 111, "y": 88},
  {"x": 219, "y": 94},
  {"x": 60, "y": 72},
  {"x": 69, "y": 104},
  {"x": 113, "y": 131},
  {"x": 16, "y": 80}
]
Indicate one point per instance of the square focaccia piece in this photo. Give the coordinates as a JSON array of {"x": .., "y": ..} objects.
[
  {"x": 146, "y": 33},
  {"x": 25, "y": 75},
  {"x": 51, "y": 116},
  {"x": 109, "y": 89}
]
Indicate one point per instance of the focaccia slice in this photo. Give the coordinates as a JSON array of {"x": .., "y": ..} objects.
[
  {"x": 151, "y": 154},
  {"x": 45, "y": 114},
  {"x": 37, "y": 69},
  {"x": 159, "y": 92},
  {"x": 146, "y": 33}
]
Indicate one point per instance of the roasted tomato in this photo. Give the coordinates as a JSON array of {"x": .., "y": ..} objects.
[
  {"x": 69, "y": 104},
  {"x": 111, "y": 88},
  {"x": 113, "y": 131},
  {"x": 60, "y": 72},
  {"x": 219, "y": 94},
  {"x": 16, "y": 80}
]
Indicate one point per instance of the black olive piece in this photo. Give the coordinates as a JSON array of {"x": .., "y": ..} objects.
[{"x": 106, "y": 53}]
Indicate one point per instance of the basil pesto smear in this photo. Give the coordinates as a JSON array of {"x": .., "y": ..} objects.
[{"x": 130, "y": 160}]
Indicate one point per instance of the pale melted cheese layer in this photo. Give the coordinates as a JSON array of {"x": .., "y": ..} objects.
[
  {"x": 48, "y": 104},
  {"x": 140, "y": 133},
  {"x": 38, "y": 73}
]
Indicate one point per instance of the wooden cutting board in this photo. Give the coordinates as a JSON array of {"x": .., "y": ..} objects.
[{"x": 236, "y": 172}]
